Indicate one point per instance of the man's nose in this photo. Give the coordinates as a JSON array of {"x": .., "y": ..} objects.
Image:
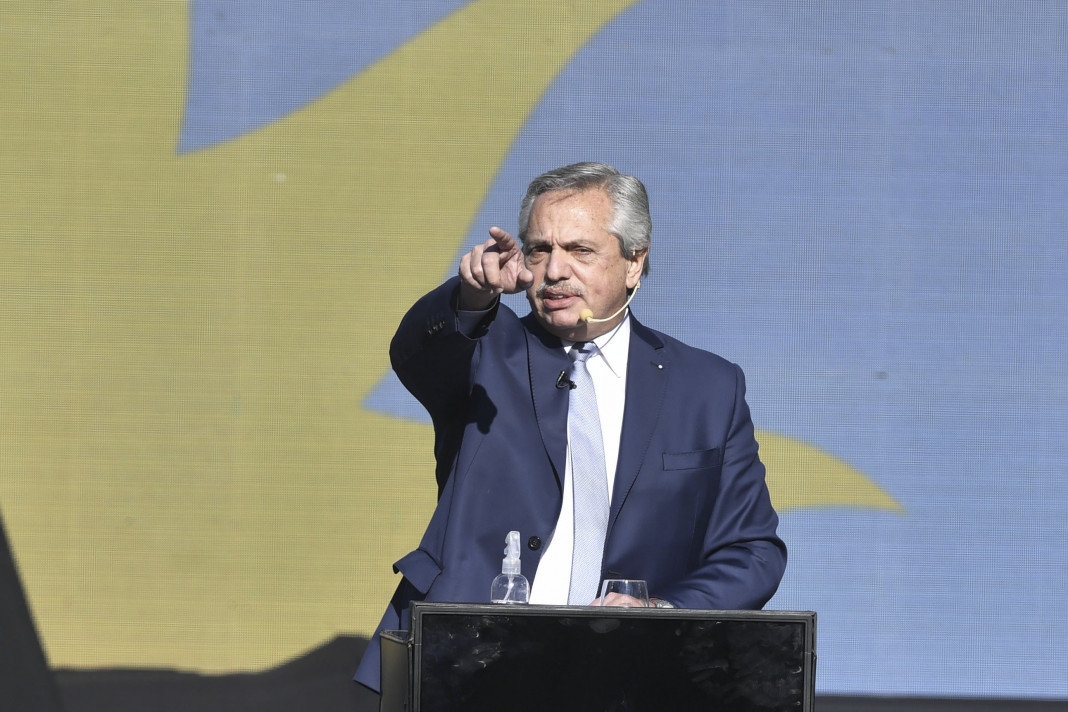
[{"x": 558, "y": 267}]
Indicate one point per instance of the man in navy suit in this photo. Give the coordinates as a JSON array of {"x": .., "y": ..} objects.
[{"x": 689, "y": 507}]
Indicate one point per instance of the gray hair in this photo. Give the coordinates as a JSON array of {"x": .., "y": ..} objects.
[{"x": 631, "y": 223}]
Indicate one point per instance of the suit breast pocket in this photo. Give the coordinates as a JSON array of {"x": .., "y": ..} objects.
[
  {"x": 695, "y": 460},
  {"x": 682, "y": 495}
]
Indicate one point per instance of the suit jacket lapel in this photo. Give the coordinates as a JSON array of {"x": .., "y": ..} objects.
[
  {"x": 647, "y": 374},
  {"x": 545, "y": 360}
]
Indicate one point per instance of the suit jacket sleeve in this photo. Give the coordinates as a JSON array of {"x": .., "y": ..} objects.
[{"x": 435, "y": 360}]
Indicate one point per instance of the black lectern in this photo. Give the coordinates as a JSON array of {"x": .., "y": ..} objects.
[{"x": 489, "y": 658}]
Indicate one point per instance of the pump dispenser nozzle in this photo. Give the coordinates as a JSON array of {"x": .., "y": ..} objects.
[{"x": 511, "y": 586}]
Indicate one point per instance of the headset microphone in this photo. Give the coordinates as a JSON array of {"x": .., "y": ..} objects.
[{"x": 586, "y": 315}]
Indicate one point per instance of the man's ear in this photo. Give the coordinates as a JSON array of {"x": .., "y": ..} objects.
[{"x": 635, "y": 265}]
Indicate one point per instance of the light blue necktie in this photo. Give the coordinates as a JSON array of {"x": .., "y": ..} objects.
[{"x": 588, "y": 478}]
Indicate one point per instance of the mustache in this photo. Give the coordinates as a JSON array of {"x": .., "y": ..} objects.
[{"x": 557, "y": 288}]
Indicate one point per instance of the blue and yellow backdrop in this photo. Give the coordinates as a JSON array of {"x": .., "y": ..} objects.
[{"x": 213, "y": 214}]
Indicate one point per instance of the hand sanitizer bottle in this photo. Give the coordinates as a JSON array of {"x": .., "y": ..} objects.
[{"x": 511, "y": 586}]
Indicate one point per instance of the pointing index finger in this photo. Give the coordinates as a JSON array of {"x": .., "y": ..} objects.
[
  {"x": 505, "y": 242},
  {"x": 511, "y": 261}
]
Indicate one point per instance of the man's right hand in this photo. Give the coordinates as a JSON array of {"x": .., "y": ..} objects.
[{"x": 494, "y": 267}]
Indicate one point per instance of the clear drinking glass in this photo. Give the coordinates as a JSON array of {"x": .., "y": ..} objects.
[{"x": 635, "y": 588}]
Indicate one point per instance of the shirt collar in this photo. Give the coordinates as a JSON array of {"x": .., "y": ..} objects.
[{"x": 613, "y": 347}]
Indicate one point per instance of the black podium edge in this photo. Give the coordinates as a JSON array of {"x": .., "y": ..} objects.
[{"x": 419, "y": 609}]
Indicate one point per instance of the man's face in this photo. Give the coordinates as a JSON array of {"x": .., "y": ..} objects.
[{"x": 577, "y": 263}]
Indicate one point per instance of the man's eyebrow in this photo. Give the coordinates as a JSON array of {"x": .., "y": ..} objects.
[
  {"x": 530, "y": 243},
  {"x": 580, "y": 241}
]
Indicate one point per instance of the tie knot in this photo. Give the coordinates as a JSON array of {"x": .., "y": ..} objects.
[{"x": 581, "y": 351}]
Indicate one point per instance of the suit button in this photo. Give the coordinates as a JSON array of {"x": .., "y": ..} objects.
[{"x": 534, "y": 543}]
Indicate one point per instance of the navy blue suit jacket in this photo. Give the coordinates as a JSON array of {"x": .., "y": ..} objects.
[{"x": 690, "y": 509}]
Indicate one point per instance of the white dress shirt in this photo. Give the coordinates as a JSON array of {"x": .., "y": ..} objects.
[{"x": 608, "y": 368}]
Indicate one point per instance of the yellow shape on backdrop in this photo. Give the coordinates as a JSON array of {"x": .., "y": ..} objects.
[
  {"x": 800, "y": 475},
  {"x": 188, "y": 478}
]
